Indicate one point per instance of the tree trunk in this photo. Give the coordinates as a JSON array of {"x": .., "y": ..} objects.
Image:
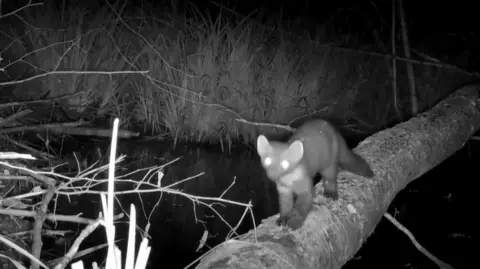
[{"x": 335, "y": 230}]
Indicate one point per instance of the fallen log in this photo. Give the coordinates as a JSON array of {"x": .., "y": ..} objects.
[{"x": 335, "y": 230}]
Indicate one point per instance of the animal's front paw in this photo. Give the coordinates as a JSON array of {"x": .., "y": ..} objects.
[
  {"x": 282, "y": 220},
  {"x": 293, "y": 220}
]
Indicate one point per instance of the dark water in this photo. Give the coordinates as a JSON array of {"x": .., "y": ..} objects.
[
  {"x": 435, "y": 208},
  {"x": 178, "y": 222}
]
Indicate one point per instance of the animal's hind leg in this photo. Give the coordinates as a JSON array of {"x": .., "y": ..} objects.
[{"x": 329, "y": 176}]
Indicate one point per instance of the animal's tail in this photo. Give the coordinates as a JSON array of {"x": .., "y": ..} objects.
[{"x": 354, "y": 163}]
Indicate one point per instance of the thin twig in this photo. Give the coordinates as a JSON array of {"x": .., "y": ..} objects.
[
  {"x": 37, "y": 230},
  {"x": 42, "y": 178},
  {"x": 35, "y": 127},
  {"x": 51, "y": 217},
  {"x": 76, "y": 244},
  {"x": 29, "y": 4},
  {"x": 5, "y": 122},
  {"x": 409, "y": 66},
  {"x": 420, "y": 248},
  {"x": 44, "y": 155},
  {"x": 48, "y": 100},
  {"x": 15, "y": 155},
  {"x": 266, "y": 124},
  {"x": 72, "y": 72},
  {"x": 81, "y": 253}
]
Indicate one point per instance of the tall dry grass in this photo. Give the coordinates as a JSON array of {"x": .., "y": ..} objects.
[{"x": 192, "y": 78}]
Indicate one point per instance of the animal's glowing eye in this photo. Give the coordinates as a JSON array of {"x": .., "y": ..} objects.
[
  {"x": 267, "y": 161},
  {"x": 285, "y": 164}
]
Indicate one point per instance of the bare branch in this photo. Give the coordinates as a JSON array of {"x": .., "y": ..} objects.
[{"x": 29, "y": 4}]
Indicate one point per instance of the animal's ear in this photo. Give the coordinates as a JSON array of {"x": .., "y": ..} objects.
[
  {"x": 295, "y": 151},
  {"x": 263, "y": 147}
]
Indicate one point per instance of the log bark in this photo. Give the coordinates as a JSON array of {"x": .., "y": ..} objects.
[{"x": 335, "y": 230}]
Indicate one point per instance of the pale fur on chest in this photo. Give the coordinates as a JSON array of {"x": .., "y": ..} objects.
[{"x": 292, "y": 177}]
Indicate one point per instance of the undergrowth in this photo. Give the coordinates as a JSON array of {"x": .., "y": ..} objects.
[{"x": 193, "y": 77}]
